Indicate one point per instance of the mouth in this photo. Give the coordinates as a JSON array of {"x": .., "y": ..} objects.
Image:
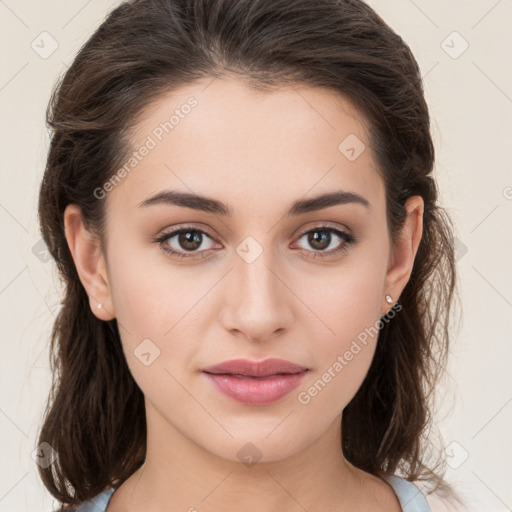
[{"x": 255, "y": 383}]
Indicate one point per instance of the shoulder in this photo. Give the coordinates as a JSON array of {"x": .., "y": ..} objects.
[
  {"x": 410, "y": 497},
  {"x": 97, "y": 504}
]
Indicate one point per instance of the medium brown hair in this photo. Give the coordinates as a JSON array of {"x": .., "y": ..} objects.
[{"x": 95, "y": 416}]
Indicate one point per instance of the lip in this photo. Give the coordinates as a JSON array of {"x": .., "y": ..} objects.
[
  {"x": 248, "y": 368},
  {"x": 253, "y": 382}
]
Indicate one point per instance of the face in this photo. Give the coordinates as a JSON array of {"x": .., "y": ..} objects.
[{"x": 256, "y": 281}]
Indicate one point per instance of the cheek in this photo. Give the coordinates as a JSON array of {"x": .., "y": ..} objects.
[
  {"x": 345, "y": 332},
  {"x": 344, "y": 301},
  {"x": 160, "y": 313}
]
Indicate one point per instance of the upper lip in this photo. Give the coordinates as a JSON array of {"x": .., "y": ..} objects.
[{"x": 255, "y": 368}]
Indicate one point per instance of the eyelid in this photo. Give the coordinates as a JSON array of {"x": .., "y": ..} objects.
[
  {"x": 180, "y": 227},
  {"x": 323, "y": 225}
]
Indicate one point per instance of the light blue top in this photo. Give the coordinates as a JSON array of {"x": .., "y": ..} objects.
[{"x": 410, "y": 497}]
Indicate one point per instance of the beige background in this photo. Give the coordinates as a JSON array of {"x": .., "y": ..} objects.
[{"x": 470, "y": 97}]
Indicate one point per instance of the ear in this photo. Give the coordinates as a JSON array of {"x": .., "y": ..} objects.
[
  {"x": 90, "y": 263},
  {"x": 403, "y": 252}
]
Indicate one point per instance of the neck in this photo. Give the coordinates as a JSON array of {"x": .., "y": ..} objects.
[{"x": 180, "y": 475}]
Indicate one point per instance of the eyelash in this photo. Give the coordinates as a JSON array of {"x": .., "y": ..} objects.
[{"x": 347, "y": 238}]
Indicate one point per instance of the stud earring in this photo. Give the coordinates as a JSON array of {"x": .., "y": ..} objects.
[
  {"x": 389, "y": 299},
  {"x": 99, "y": 305}
]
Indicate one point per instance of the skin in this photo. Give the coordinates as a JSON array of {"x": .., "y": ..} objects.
[{"x": 258, "y": 152}]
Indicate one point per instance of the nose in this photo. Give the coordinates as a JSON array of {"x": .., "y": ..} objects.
[{"x": 258, "y": 301}]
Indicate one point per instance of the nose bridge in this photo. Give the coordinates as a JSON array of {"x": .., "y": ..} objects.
[
  {"x": 259, "y": 300},
  {"x": 257, "y": 279}
]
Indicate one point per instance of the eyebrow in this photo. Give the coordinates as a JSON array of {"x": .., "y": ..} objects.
[{"x": 210, "y": 205}]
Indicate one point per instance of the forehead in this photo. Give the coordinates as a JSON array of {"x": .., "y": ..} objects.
[{"x": 223, "y": 139}]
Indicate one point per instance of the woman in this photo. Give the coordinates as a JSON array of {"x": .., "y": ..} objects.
[{"x": 239, "y": 198}]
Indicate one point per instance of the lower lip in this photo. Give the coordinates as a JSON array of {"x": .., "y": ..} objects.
[{"x": 260, "y": 391}]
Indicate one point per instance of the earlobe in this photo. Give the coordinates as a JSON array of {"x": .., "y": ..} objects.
[
  {"x": 90, "y": 263},
  {"x": 403, "y": 252}
]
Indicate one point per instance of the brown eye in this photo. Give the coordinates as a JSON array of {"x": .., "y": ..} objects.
[
  {"x": 185, "y": 242},
  {"x": 321, "y": 238},
  {"x": 189, "y": 240}
]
